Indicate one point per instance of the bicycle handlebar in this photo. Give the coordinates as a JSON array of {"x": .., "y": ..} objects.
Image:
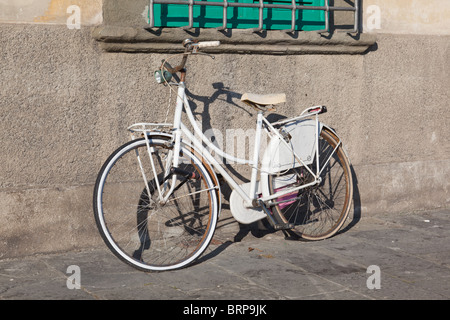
[
  {"x": 194, "y": 45},
  {"x": 204, "y": 44},
  {"x": 191, "y": 46}
]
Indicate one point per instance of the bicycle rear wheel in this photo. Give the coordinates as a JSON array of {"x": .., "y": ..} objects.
[
  {"x": 316, "y": 212},
  {"x": 138, "y": 229}
]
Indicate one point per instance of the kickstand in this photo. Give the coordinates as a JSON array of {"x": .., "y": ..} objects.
[{"x": 277, "y": 226}]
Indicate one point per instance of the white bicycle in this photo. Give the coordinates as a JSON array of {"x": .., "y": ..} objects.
[{"x": 157, "y": 198}]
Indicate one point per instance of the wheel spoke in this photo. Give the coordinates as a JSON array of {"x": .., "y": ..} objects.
[
  {"x": 321, "y": 209},
  {"x": 140, "y": 230}
]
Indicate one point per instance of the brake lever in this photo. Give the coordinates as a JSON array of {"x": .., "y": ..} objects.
[
  {"x": 205, "y": 54},
  {"x": 195, "y": 51}
]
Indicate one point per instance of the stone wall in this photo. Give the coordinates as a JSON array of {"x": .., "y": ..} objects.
[{"x": 66, "y": 104}]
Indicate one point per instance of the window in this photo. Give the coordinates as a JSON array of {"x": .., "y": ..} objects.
[
  {"x": 274, "y": 26},
  {"x": 258, "y": 15}
]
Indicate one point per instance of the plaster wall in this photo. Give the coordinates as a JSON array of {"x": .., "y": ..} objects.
[{"x": 65, "y": 106}]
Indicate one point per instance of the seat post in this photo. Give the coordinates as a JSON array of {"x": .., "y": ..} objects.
[{"x": 257, "y": 145}]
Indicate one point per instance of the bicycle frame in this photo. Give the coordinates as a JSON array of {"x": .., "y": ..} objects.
[
  {"x": 252, "y": 197},
  {"x": 167, "y": 221}
]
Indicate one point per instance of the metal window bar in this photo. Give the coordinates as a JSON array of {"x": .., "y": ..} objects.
[{"x": 261, "y": 5}]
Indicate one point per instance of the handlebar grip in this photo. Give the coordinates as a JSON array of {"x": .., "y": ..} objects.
[{"x": 204, "y": 44}]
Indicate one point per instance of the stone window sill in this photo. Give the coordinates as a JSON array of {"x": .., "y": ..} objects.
[{"x": 113, "y": 38}]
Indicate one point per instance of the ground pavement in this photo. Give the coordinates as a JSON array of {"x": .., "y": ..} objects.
[{"x": 395, "y": 257}]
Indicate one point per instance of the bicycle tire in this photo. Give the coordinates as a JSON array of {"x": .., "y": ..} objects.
[
  {"x": 143, "y": 233},
  {"x": 317, "y": 212}
]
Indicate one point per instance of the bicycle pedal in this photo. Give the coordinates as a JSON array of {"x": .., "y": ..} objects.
[
  {"x": 283, "y": 226},
  {"x": 275, "y": 225},
  {"x": 184, "y": 173}
]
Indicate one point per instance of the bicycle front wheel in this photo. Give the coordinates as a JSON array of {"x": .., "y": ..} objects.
[
  {"x": 136, "y": 226},
  {"x": 319, "y": 211}
]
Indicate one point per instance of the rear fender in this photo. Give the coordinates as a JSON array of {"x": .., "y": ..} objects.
[
  {"x": 301, "y": 137},
  {"x": 271, "y": 163}
]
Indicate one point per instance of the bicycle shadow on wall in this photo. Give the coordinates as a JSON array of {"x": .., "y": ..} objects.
[
  {"x": 223, "y": 93},
  {"x": 257, "y": 229}
]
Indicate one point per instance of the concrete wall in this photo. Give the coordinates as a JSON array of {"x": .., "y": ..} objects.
[{"x": 65, "y": 105}]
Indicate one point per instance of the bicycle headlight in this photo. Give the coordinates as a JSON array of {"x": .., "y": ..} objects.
[{"x": 162, "y": 76}]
